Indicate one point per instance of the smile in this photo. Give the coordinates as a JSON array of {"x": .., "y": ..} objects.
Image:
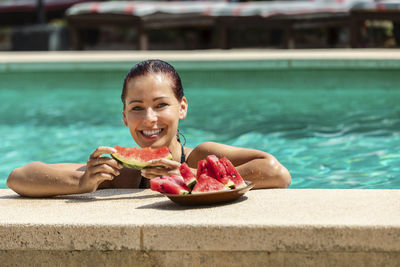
[{"x": 151, "y": 132}]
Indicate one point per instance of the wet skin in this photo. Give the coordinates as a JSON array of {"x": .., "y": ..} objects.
[{"x": 152, "y": 113}]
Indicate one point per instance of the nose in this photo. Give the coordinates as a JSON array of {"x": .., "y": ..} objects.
[{"x": 150, "y": 117}]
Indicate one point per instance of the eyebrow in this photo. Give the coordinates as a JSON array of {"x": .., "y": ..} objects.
[{"x": 140, "y": 101}]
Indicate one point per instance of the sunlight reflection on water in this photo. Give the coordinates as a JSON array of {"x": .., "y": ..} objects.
[{"x": 338, "y": 141}]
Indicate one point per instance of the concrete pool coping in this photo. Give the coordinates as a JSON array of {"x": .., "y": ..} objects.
[
  {"x": 207, "y": 60},
  {"x": 317, "y": 227},
  {"x": 200, "y": 55}
]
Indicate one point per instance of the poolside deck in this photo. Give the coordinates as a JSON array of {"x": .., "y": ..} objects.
[
  {"x": 265, "y": 227},
  {"x": 199, "y": 55}
]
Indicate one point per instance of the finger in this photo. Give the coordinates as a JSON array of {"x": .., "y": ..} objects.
[
  {"x": 171, "y": 164},
  {"x": 154, "y": 172},
  {"x": 150, "y": 176},
  {"x": 106, "y": 160},
  {"x": 102, "y": 150},
  {"x": 104, "y": 168},
  {"x": 104, "y": 176}
]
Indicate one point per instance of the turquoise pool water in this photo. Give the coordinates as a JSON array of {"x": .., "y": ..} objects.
[{"x": 326, "y": 137}]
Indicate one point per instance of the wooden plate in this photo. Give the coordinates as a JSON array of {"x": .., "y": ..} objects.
[{"x": 211, "y": 198}]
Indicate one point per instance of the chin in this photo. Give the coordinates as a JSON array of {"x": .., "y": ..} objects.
[
  {"x": 154, "y": 144},
  {"x": 157, "y": 143}
]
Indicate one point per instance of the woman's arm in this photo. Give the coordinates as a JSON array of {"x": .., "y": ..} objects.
[
  {"x": 261, "y": 168},
  {"x": 38, "y": 179}
]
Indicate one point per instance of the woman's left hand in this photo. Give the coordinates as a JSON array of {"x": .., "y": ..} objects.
[{"x": 161, "y": 167}]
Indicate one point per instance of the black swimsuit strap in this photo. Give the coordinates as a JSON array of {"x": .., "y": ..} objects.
[
  {"x": 183, "y": 157},
  {"x": 145, "y": 183}
]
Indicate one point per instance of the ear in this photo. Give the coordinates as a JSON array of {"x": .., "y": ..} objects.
[
  {"x": 124, "y": 117},
  {"x": 183, "y": 108}
]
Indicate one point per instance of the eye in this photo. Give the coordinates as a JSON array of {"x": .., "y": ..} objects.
[
  {"x": 136, "y": 108},
  {"x": 161, "y": 105}
]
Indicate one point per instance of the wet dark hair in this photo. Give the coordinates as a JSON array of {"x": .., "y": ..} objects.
[{"x": 154, "y": 66}]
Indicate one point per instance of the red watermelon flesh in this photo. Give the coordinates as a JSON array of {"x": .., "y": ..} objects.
[
  {"x": 137, "y": 158},
  {"x": 170, "y": 185},
  {"x": 180, "y": 181},
  {"x": 219, "y": 171},
  {"x": 155, "y": 184},
  {"x": 232, "y": 173},
  {"x": 188, "y": 176},
  {"x": 203, "y": 168},
  {"x": 206, "y": 184}
]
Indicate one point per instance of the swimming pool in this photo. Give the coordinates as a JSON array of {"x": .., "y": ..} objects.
[{"x": 332, "y": 123}]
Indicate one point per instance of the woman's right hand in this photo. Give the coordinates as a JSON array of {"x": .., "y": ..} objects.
[{"x": 99, "y": 169}]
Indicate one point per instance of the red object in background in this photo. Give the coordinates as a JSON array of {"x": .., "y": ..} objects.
[{"x": 25, "y": 12}]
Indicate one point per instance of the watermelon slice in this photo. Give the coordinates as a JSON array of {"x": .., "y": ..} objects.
[
  {"x": 213, "y": 175},
  {"x": 170, "y": 185},
  {"x": 202, "y": 168},
  {"x": 206, "y": 184},
  {"x": 232, "y": 173},
  {"x": 219, "y": 171},
  {"x": 137, "y": 158},
  {"x": 179, "y": 180},
  {"x": 188, "y": 176}
]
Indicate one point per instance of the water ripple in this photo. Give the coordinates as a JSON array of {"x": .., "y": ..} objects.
[{"x": 327, "y": 139}]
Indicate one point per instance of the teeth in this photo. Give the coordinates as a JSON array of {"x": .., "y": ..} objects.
[{"x": 151, "y": 132}]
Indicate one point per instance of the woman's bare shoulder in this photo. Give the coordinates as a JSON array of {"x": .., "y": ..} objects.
[
  {"x": 203, "y": 150},
  {"x": 237, "y": 155}
]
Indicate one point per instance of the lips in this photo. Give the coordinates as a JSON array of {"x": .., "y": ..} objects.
[{"x": 150, "y": 133}]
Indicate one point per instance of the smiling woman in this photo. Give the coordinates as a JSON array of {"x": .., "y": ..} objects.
[
  {"x": 151, "y": 109},
  {"x": 153, "y": 104}
]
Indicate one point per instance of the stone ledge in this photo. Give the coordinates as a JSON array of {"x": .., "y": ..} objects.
[
  {"x": 273, "y": 220},
  {"x": 199, "y": 55},
  {"x": 272, "y": 224},
  {"x": 239, "y": 59},
  {"x": 131, "y": 258}
]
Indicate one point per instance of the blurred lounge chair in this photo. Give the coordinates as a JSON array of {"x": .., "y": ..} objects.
[
  {"x": 24, "y": 12},
  {"x": 287, "y": 16},
  {"x": 141, "y": 15},
  {"x": 379, "y": 10}
]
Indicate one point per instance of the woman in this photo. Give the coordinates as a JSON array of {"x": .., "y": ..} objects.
[{"x": 153, "y": 103}]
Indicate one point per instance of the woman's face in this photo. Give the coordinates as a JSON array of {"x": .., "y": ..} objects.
[{"x": 152, "y": 112}]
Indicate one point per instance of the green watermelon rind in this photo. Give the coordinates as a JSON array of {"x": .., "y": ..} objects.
[
  {"x": 135, "y": 164},
  {"x": 192, "y": 182},
  {"x": 230, "y": 184},
  {"x": 242, "y": 185}
]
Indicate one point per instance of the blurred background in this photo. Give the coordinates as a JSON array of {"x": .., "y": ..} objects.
[{"x": 59, "y": 25}]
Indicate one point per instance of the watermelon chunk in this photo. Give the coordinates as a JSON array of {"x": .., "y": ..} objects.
[
  {"x": 232, "y": 173},
  {"x": 170, "y": 185},
  {"x": 206, "y": 184},
  {"x": 179, "y": 180},
  {"x": 203, "y": 168},
  {"x": 219, "y": 171},
  {"x": 188, "y": 176},
  {"x": 137, "y": 158}
]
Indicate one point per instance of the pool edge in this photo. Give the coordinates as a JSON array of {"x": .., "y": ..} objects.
[{"x": 314, "y": 227}]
